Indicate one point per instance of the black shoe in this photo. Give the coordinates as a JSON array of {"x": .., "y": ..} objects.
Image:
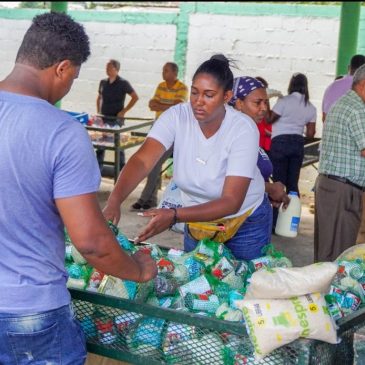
[
  {"x": 146, "y": 206},
  {"x": 136, "y": 206}
]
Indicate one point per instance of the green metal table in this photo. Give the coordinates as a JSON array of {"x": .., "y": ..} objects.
[{"x": 131, "y": 125}]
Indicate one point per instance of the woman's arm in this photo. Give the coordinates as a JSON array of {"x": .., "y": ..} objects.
[
  {"x": 233, "y": 194},
  {"x": 135, "y": 170},
  {"x": 272, "y": 117},
  {"x": 311, "y": 130},
  {"x": 277, "y": 194}
]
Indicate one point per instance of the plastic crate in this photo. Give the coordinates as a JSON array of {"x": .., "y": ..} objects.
[
  {"x": 175, "y": 337},
  {"x": 81, "y": 117}
]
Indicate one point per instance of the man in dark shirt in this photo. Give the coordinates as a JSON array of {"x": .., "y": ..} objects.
[{"x": 110, "y": 102}]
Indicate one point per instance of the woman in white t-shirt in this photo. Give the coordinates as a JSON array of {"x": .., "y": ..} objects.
[
  {"x": 290, "y": 116},
  {"x": 215, "y": 165}
]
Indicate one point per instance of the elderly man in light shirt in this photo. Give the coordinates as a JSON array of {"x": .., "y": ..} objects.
[
  {"x": 341, "y": 181},
  {"x": 334, "y": 92}
]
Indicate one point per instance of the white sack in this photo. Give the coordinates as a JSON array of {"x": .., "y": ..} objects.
[{"x": 287, "y": 282}]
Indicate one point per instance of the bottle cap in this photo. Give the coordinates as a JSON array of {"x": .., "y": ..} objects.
[{"x": 293, "y": 193}]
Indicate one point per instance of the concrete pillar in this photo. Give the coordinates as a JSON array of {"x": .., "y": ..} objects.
[
  {"x": 59, "y": 6},
  {"x": 349, "y": 30}
]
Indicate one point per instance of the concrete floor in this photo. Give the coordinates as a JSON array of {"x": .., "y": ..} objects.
[{"x": 298, "y": 249}]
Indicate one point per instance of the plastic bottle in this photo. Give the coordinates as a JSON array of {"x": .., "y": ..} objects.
[{"x": 287, "y": 224}]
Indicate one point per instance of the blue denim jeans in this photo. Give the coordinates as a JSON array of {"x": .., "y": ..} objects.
[
  {"x": 251, "y": 237},
  {"x": 49, "y": 338}
]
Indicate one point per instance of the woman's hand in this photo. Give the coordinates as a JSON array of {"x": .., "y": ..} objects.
[
  {"x": 161, "y": 220},
  {"x": 111, "y": 212},
  {"x": 277, "y": 194}
]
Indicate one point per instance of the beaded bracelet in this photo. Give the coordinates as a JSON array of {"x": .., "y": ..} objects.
[{"x": 174, "y": 220}]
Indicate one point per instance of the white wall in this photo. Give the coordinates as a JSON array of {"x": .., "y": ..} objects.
[
  {"x": 141, "y": 49},
  {"x": 273, "y": 47},
  {"x": 11, "y": 36}
]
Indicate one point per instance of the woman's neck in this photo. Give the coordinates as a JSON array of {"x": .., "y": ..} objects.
[{"x": 210, "y": 127}]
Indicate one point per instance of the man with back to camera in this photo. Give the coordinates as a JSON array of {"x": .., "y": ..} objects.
[
  {"x": 168, "y": 93},
  {"x": 48, "y": 183},
  {"x": 110, "y": 102},
  {"x": 341, "y": 180},
  {"x": 341, "y": 86}
]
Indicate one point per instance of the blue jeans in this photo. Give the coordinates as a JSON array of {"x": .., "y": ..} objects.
[
  {"x": 251, "y": 237},
  {"x": 48, "y": 338}
]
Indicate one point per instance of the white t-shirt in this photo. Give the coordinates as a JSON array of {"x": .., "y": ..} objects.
[
  {"x": 201, "y": 165},
  {"x": 294, "y": 115}
]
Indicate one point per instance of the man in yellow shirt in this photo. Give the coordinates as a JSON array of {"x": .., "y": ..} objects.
[{"x": 168, "y": 93}]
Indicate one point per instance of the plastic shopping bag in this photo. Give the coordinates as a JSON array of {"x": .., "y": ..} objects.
[{"x": 171, "y": 198}]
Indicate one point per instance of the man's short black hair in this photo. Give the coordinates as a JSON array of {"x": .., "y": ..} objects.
[
  {"x": 174, "y": 67},
  {"x": 356, "y": 61},
  {"x": 115, "y": 64},
  {"x": 53, "y": 37}
]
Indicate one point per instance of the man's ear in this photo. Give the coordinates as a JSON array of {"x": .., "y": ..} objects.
[
  {"x": 359, "y": 88},
  {"x": 61, "y": 67}
]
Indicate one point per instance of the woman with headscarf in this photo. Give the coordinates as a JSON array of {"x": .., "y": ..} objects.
[{"x": 250, "y": 97}]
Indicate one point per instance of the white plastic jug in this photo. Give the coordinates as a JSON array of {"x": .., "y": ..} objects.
[{"x": 287, "y": 224}]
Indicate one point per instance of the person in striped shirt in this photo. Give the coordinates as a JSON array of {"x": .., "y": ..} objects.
[{"x": 168, "y": 93}]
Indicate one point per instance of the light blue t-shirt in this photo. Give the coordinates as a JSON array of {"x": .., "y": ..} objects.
[{"x": 44, "y": 154}]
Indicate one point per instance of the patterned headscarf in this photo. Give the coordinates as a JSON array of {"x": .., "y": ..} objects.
[{"x": 242, "y": 86}]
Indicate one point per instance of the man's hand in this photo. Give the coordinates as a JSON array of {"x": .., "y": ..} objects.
[
  {"x": 111, "y": 212},
  {"x": 146, "y": 264},
  {"x": 121, "y": 114},
  {"x": 153, "y": 104}
]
